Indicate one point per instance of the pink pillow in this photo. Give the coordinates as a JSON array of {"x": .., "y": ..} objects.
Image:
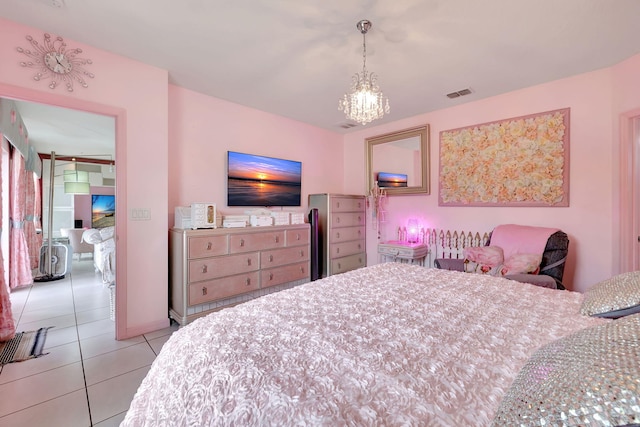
[
  {"x": 521, "y": 264},
  {"x": 483, "y": 259}
]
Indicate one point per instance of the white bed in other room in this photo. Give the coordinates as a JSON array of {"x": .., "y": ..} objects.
[{"x": 390, "y": 344}]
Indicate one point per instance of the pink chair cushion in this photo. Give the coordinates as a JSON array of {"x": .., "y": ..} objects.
[{"x": 521, "y": 239}]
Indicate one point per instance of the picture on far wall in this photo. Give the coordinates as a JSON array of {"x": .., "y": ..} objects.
[
  {"x": 522, "y": 161},
  {"x": 103, "y": 210}
]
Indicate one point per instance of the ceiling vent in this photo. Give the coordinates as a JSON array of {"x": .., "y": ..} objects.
[
  {"x": 347, "y": 125},
  {"x": 459, "y": 93}
]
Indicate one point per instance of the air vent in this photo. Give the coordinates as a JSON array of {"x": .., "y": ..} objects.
[
  {"x": 459, "y": 93},
  {"x": 347, "y": 125}
]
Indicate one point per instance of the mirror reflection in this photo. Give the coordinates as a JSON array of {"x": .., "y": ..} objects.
[{"x": 399, "y": 161}]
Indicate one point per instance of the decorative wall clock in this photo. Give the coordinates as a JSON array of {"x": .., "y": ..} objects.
[{"x": 52, "y": 60}]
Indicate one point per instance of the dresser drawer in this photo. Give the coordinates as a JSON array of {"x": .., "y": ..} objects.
[
  {"x": 284, "y": 256},
  {"x": 212, "y": 290},
  {"x": 347, "y": 204},
  {"x": 347, "y": 248},
  {"x": 297, "y": 237},
  {"x": 206, "y": 246},
  {"x": 256, "y": 241},
  {"x": 345, "y": 234},
  {"x": 288, "y": 273},
  {"x": 347, "y": 219},
  {"x": 211, "y": 268},
  {"x": 351, "y": 262}
]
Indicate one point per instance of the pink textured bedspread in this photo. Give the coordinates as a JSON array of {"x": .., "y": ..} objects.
[{"x": 391, "y": 344}]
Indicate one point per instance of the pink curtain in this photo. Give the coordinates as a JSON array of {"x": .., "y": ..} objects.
[
  {"x": 20, "y": 271},
  {"x": 7, "y": 325},
  {"x": 33, "y": 242}
]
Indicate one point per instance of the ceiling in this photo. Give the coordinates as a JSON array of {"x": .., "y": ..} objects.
[{"x": 296, "y": 58}]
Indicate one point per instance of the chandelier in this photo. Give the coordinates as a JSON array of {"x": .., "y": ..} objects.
[{"x": 365, "y": 103}]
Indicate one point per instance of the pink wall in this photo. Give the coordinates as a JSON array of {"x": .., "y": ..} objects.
[
  {"x": 588, "y": 220},
  {"x": 202, "y": 129},
  {"x": 137, "y": 96}
]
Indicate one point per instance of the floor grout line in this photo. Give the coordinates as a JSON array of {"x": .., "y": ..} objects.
[{"x": 84, "y": 374}]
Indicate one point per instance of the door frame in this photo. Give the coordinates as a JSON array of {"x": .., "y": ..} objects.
[
  {"x": 629, "y": 194},
  {"x": 119, "y": 114}
]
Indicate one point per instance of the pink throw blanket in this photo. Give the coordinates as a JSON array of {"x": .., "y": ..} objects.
[{"x": 521, "y": 239}]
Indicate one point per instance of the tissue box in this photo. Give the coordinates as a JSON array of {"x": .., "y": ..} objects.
[
  {"x": 280, "y": 218},
  {"x": 296, "y": 217},
  {"x": 261, "y": 221}
]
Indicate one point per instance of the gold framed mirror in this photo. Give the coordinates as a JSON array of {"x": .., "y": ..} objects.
[{"x": 399, "y": 161}]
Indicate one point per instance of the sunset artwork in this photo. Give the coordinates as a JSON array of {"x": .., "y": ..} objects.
[
  {"x": 386, "y": 179},
  {"x": 262, "y": 181},
  {"x": 103, "y": 210}
]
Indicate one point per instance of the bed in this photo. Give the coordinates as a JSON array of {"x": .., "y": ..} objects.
[{"x": 389, "y": 344}]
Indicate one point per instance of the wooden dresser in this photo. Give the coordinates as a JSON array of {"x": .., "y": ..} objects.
[
  {"x": 341, "y": 233},
  {"x": 217, "y": 268}
]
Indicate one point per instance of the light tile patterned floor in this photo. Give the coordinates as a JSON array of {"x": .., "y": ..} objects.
[{"x": 88, "y": 378}]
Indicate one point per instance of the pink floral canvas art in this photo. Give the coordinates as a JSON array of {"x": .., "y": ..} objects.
[{"x": 522, "y": 161}]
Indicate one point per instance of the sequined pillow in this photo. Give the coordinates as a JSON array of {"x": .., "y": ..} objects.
[
  {"x": 591, "y": 377},
  {"x": 615, "y": 297}
]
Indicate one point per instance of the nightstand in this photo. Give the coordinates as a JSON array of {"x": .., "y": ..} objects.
[{"x": 396, "y": 251}]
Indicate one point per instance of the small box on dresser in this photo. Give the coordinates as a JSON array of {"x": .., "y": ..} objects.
[{"x": 217, "y": 268}]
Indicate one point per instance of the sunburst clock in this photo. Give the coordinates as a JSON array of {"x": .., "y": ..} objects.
[{"x": 53, "y": 61}]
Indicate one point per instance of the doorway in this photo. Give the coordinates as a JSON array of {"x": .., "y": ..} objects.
[
  {"x": 628, "y": 229},
  {"x": 50, "y": 111}
]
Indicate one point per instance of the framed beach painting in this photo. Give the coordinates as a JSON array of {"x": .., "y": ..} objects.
[{"x": 521, "y": 161}]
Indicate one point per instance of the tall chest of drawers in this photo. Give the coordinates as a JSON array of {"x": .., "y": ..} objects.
[
  {"x": 217, "y": 268},
  {"x": 341, "y": 232}
]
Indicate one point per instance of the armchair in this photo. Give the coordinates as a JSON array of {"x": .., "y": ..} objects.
[
  {"x": 78, "y": 245},
  {"x": 551, "y": 271}
]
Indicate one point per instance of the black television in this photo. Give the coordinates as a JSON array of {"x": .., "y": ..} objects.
[
  {"x": 103, "y": 210},
  {"x": 262, "y": 181}
]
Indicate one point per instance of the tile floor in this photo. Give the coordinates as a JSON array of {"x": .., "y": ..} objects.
[{"x": 88, "y": 378}]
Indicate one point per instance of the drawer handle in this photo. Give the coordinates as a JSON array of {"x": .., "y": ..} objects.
[
  {"x": 248, "y": 281},
  {"x": 270, "y": 258},
  {"x": 359, "y": 232},
  {"x": 337, "y": 235},
  {"x": 338, "y": 204},
  {"x": 359, "y": 246},
  {"x": 359, "y": 205},
  {"x": 359, "y": 218},
  {"x": 248, "y": 261},
  {"x": 360, "y": 260},
  {"x": 301, "y": 269},
  {"x": 339, "y": 266},
  {"x": 204, "y": 290},
  {"x": 301, "y": 253},
  {"x": 204, "y": 268},
  {"x": 270, "y": 276},
  {"x": 338, "y": 220},
  {"x": 337, "y": 250},
  {"x": 209, "y": 246},
  {"x": 298, "y": 236},
  {"x": 276, "y": 239},
  {"x": 241, "y": 242}
]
